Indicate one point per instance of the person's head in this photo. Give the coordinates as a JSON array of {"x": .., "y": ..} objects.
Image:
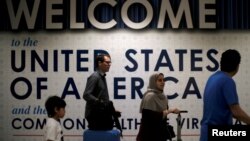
[
  {"x": 55, "y": 107},
  {"x": 156, "y": 81},
  {"x": 230, "y": 61},
  {"x": 103, "y": 62}
]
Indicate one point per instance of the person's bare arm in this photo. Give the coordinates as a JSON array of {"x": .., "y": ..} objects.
[{"x": 240, "y": 114}]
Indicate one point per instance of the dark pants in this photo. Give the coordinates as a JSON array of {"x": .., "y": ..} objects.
[{"x": 100, "y": 117}]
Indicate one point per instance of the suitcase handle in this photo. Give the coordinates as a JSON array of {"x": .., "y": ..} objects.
[{"x": 183, "y": 111}]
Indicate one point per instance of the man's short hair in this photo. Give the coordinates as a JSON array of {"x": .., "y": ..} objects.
[
  {"x": 100, "y": 58},
  {"x": 230, "y": 60}
]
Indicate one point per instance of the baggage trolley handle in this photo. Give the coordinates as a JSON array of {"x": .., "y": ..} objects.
[{"x": 179, "y": 125}]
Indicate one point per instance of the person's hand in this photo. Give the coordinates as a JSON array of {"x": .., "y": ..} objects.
[
  {"x": 118, "y": 113},
  {"x": 165, "y": 113},
  {"x": 168, "y": 111}
]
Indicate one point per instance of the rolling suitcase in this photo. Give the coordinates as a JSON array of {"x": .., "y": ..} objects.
[{"x": 94, "y": 135}]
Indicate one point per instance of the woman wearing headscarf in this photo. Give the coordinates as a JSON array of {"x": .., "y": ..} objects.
[{"x": 154, "y": 110}]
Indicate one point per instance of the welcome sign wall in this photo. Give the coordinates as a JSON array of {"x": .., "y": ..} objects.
[{"x": 48, "y": 48}]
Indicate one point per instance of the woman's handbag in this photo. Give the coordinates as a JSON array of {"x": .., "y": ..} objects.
[{"x": 170, "y": 132}]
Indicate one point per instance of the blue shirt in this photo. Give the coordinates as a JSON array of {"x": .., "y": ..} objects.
[{"x": 220, "y": 92}]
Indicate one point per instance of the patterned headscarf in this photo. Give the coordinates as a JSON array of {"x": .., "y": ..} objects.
[{"x": 154, "y": 99}]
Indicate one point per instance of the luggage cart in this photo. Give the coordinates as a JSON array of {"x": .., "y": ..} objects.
[{"x": 179, "y": 125}]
